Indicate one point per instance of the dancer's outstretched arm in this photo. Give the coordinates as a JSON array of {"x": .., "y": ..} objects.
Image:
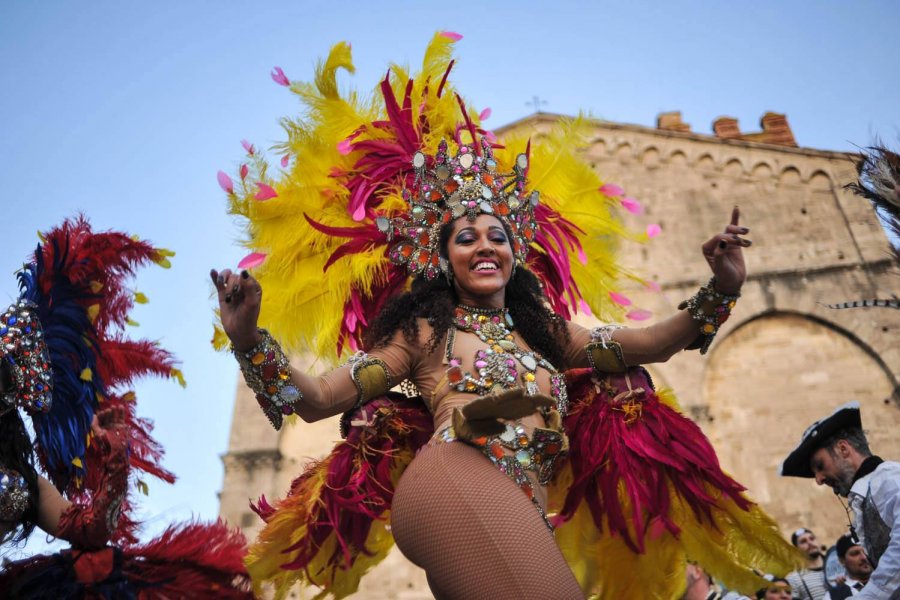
[
  {"x": 686, "y": 329},
  {"x": 311, "y": 398}
]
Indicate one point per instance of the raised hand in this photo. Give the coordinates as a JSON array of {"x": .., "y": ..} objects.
[
  {"x": 240, "y": 296},
  {"x": 724, "y": 254}
]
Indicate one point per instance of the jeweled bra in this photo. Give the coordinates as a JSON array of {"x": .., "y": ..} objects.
[{"x": 498, "y": 365}]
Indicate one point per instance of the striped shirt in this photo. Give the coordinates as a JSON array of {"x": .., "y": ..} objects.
[{"x": 808, "y": 584}]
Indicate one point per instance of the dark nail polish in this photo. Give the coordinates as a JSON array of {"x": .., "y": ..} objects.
[
  {"x": 220, "y": 280},
  {"x": 234, "y": 289},
  {"x": 245, "y": 274},
  {"x": 722, "y": 244},
  {"x": 745, "y": 230},
  {"x": 228, "y": 298}
]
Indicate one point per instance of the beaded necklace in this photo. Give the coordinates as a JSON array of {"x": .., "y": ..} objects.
[{"x": 503, "y": 363}]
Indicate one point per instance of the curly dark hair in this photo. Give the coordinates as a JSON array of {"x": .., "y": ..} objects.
[
  {"x": 435, "y": 301},
  {"x": 17, "y": 453}
]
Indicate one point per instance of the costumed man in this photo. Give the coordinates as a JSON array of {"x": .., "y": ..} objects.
[
  {"x": 808, "y": 583},
  {"x": 836, "y": 453},
  {"x": 856, "y": 564}
]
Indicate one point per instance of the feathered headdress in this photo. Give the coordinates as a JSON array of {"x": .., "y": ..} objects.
[
  {"x": 348, "y": 167},
  {"x": 76, "y": 288},
  {"x": 879, "y": 182}
]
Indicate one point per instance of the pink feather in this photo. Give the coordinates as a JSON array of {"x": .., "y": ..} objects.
[
  {"x": 620, "y": 299},
  {"x": 653, "y": 230},
  {"x": 225, "y": 182},
  {"x": 248, "y": 147},
  {"x": 285, "y": 160},
  {"x": 452, "y": 35},
  {"x": 612, "y": 190},
  {"x": 265, "y": 192},
  {"x": 345, "y": 147},
  {"x": 632, "y": 205},
  {"x": 244, "y": 171},
  {"x": 638, "y": 314},
  {"x": 252, "y": 260},
  {"x": 485, "y": 114},
  {"x": 279, "y": 77}
]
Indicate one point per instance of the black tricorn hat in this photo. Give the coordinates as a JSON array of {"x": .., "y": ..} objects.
[{"x": 797, "y": 462}]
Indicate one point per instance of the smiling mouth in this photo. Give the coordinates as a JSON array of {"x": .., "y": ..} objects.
[{"x": 486, "y": 266}]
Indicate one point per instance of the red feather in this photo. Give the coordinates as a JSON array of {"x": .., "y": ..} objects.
[{"x": 657, "y": 451}]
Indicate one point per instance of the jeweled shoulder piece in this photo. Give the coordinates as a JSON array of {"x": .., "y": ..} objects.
[
  {"x": 14, "y": 495},
  {"x": 24, "y": 351},
  {"x": 448, "y": 187}
]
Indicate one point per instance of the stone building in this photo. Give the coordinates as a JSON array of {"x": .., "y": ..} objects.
[{"x": 783, "y": 360}]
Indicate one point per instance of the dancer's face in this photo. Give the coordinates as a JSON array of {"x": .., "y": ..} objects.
[{"x": 481, "y": 256}]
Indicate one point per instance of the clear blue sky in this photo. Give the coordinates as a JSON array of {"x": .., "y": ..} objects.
[{"x": 126, "y": 110}]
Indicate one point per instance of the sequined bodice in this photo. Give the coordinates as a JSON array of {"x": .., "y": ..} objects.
[{"x": 485, "y": 355}]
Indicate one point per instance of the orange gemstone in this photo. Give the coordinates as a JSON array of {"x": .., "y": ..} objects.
[
  {"x": 454, "y": 375},
  {"x": 435, "y": 196},
  {"x": 406, "y": 250},
  {"x": 488, "y": 179},
  {"x": 502, "y": 209},
  {"x": 435, "y": 260},
  {"x": 431, "y": 218},
  {"x": 424, "y": 239},
  {"x": 451, "y": 186},
  {"x": 423, "y": 257},
  {"x": 258, "y": 358}
]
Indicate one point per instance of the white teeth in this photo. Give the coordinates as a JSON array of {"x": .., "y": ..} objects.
[{"x": 485, "y": 266}]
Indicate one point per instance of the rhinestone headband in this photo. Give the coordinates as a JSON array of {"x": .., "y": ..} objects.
[{"x": 467, "y": 184}]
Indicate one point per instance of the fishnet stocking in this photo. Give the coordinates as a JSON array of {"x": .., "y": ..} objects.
[{"x": 474, "y": 531}]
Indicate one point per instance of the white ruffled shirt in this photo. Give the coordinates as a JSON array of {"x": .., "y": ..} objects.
[{"x": 884, "y": 486}]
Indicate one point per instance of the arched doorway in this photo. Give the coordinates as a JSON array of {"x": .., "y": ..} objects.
[{"x": 771, "y": 378}]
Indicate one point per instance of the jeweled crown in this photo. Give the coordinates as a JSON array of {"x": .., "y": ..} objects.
[{"x": 448, "y": 187}]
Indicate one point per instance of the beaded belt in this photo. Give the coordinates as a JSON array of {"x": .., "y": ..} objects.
[{"x": 537, "y": 452}]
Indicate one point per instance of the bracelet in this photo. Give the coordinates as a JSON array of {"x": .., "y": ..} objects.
[
  {"x": 267, "y": 372},
  {"x": 372, "y": 379},
  {"x": 711, "y": 308},
  {"x": 604, "y": 353},
  {"x": 370, "y": 375}
]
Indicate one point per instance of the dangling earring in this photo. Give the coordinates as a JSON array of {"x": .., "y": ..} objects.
[
  {"x": 513, "y": 272},
  {"x": 447, "y": 271}
]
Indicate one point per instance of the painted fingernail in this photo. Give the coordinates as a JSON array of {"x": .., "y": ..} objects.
[
  {"x": 234, "y": 289},
  {"x": 227, "y": 298},
  {"x": 748, "y": 243},
  {"x": 722, "y": 244},
  {"x": 245, "y": 274},
  {"x": 745, "y": 230},
  {"x": 220, "y": 280}
]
